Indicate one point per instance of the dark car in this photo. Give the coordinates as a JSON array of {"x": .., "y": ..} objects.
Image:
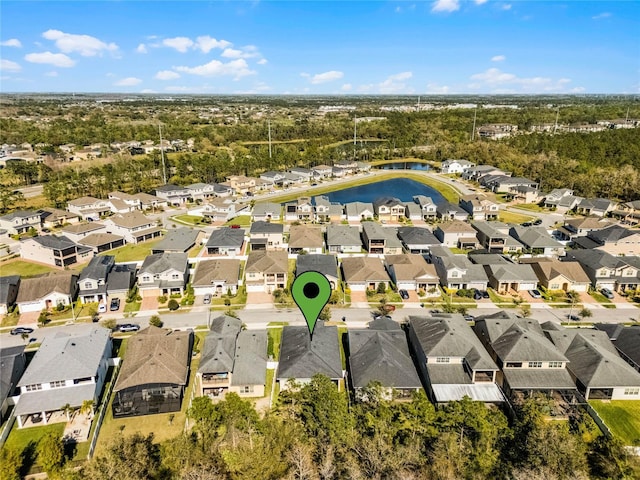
[
  {"x": 574, "y": 318},
  {"x": 537, "y": 221},
  {"x": 477, "y": 295},
  {"x": 607, "y": 293},
  {"x": 404, "y": 294},
  {"x": 128, "y": 327},
  {"x": 21, "y": 330},
  {"x": 527, "y": 224},
  {"x": 115, "y": 304}
]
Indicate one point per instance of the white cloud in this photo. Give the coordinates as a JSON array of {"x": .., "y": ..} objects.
[
  {"x": 496, "y": 80},
  {"x": 394, "y": 84},
  {"x": 9, "y": 66},
  {"x": 147, "y": 90},
  {"x": 480, "y": 2},
  {"x": 51, "y": 74},
  {"x": 235, "y": 68},
  {"x": 55, "y": 59},
  {"x": 181, "y": 44},
  {"x": 142, "y": 48},
  {"x": 325, "y": 77},
  {"x": 128, "y": 82},
  {"x": 346, "y": 87},
  {"x": 250, "y": 51},
  {"x": 601, "y": 16},
  {"x": 498, "y": 58},
  {"x": 445, "y": 6},
  {"x": 400, "y": 76},
  {"x": 438, "y": 89},
  {"x": 506, "y": 6},
  {"x": 166, "y": 75},
  {"x": 207, "y": 43},
  {"x": 262, "y": 61},
  {"x": 85, "y": 45},
  {"x": 12, "y": 42},
  {"x": 577, "y": 90}
]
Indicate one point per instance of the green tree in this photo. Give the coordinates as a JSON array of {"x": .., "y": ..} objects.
[
  {"x": 173, "y": 304},
  {"x": 155, "y": 321},
  {"x": 9, "y": 198},
  {"x": 11, "y": 460},
  {"x": 135, "y": 457},
  {"x": 585, "y": 313},
  {"x": 382, "y": 288},
  {"x": 50, "y": 452}
]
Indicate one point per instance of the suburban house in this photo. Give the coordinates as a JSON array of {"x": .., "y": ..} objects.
[
  {"x": 92, "y": 283},
  {"x": 457, "y": 271},
  {"x": 343, "y": 239},
  {"x": 412, "y": 272},
  {"x": 412, "y": 211},
  {"x": 53, "y": 250},
  {"x": 274, "y": 178},
  {"x": 266, "y": 211},
  {"x": 266, "y": 236},
  {"x": 154, "y": 373},
  {"x": 173, "y": 194},
  {"x": 78, "y": 231},
  {"x": 46, "y": 291},
  {"x": 474, "y": 173},
  {"x": 266, "y": 271},
  {"x": 225, "y": 241},
  {"x": 529, "y": 362},
  {"x": 101, "y": 242},
  {"x": 523, "y": 194},
  {"x": 358, "y": 211},
  {"x": 427, "y": 207},
  {"x": 177, "y": 240},
  {"x": 121, "y": 278},
  {"x": 594, "y": 364},
  {"x": 449, "y": 211},
  {"x": 628, "y": 212},
  {"x": 233, "y": 360},
  {"x": 556, "y": 275},
  {"x": 561, "y": 200},
  {"x": 54, "y": 217},
  {"x": 301, "y": 358},
  {"x": 124, "y": 199},
  {"x": 452, "y": 360},
  {"x": 304, "y": 174},
  {"x": 456, "y": 234},
  {"x": 12, "y": 364},
  {"x": 216, "y": 210},
  {"x": 580, "y": 227},
  {"x": 494, "y": 237},
  {"x": 615, "y": 240},
  {"x": 380, "y": 240},
  {"x": 20, "y": 221},
  {"x": 389, "y": 209},
  {"x": 240, "y": 184},
  {"x": 364, "y": 273},
  {"x": 455, "y": 166},
  {"x": 537, "y": 241},
  {"x": 303, "y": 238},
  {"x": 300, "y": 210},
  {"x": 495, "y": 131},
  {"x": 382, "y": 356},
  {"x": 479, "y": 207},
  {"x": 9, "y": 286},
  {"x": 89, "y": 207},
  {"x": 417, "y": 239},
  {"x": 321, "y": 171},
  {"x": 325, "y": 264},
  {"x": 626, "y": 340},
  {"x": 135, "y": 227},
  {"x": 511, "y": 278},
  {"x": 150, "y": 202},
  {"x": 325, "y": 211},
  {"x": 201, "y": 191},
  {"x": 216, "y": 277},
  {"x": 69, "y": 368},
  {"x": 163, "y": 274},
  {"x": 605, "y": 270},
  {"x": 504, "y": 183},
  {"x": 599, "y": 207}
]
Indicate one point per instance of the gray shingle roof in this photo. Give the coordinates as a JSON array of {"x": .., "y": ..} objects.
[
  {"x": 381, "y": 356},
  {"x": 250, "y": 362},
  {"x": 177, "y": 240},
  {"x": 541, "y": 379},
  {"x": 98, "y": 268},
  {"x": 628, "y": 342},
  {"x": 534, "y": 237},
  {"x": 343, "y": 235},
  {"x": 12, "y": 363},
  {"x": 226, "y": 237},
  {"x": 325, "y": 264},
  {"x": 512, "y": 273},
  {"x": 265, "y": 227},
  {"x": 302, "y": 358},
  {"x": 5, "y": 286},
  {"x": 417, "y": 236},
  {"x": 161, "y": 262},
  {"x": 68, "y": 355}
]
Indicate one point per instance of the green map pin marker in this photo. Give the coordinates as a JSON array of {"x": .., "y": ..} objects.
[{"x": 311, "y": 292}]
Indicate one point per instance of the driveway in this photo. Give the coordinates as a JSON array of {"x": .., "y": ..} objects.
[
  {"x": 359, "y": 299},
  {"x": 259, "y": 300},
  {"x": 149, "y": 303},
  {"x": 29, "y": 318}
]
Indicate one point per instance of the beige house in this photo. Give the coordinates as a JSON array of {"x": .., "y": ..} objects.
[
  {"x": 364, "y": 273},
  {"x": 412, "y": 272},
  {"x": 79, "y": 231},
  {"x": 163, "y": 274},
  {"x": 216, "y": 277},
  {"x": 266, "y": 271},
  {"x": 241, "y": 184},
  {"x": 53, "y": 250},
  {"x": 305, "y": 239},
  {"x": 46, "y": 292},
  {"x": 479, "y": 207},
  {"x": 456, "y": 234},
  {"x": 389, "y": 209},
  {"x": 135, "y": 227},
  {"x": 89, "y": 207},
  {"x": 556, "y": 275}
]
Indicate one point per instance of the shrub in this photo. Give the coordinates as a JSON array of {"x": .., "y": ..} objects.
[
  {"x": 227, "y": 302},
  {"x": 155, "y": 321},
  {"x": 110, "y": 324},
  {"x": 162, "y": 299},
  {"x": 381, "y": 287},
  {"x": 173, "y": 304},
  {"x": 60, "y": 307}
]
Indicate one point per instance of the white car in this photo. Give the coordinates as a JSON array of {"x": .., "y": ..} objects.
[{"x": 102, "y": 308}]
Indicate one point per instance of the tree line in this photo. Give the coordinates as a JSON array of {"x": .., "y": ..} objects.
[{"x": 316, "y": 433}]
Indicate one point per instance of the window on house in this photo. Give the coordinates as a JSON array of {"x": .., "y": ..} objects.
[
  {"x": 442, "y": 359},
  {"x": 33, "y": 388},
  {"x": 512, "y": 364},
  {"x": 175, "y": 276},
  {"x": 535, "y": 364},
  {"x": 455, "y": 274},
  {"x": 632, "y": 391},
  {"x": 146, "y": 278},
  {"x": 87, "y": 285},
  {"x": 57, "y": 384},
  {"x": 247, "y": 389},
  {"x": 555, "y": 364}
]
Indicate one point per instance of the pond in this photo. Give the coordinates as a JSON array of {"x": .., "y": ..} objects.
[
  {"x": 401, "y": 188},
  {"x": 405, "y": 166}
]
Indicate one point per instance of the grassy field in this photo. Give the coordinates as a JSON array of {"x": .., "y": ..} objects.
[
  {"x": 24, "y": 269},
  {"x": 532, "y": 207},
  {"x": 242, "y": 220},
  {"x": 602, "y": 299},
  {"x": 622, "y": 417},
  {"x": 133, "y": 252},
  {"x": 512, "y": 217},
  {"x": 189, "y": 219}
]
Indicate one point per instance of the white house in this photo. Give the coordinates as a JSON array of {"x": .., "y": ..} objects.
[
  {"x": 456, "y": 166},
  {"x": 40, "y": 293}
]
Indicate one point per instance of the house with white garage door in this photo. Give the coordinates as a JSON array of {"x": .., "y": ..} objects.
[
  {"x": 216, "y": 277},
  {"x": 163, "y": 274},
  {"x": 45, "y": 292}
]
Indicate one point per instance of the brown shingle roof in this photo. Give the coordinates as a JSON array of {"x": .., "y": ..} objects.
[
  {"x": 210, "y": 270},
  {"x": 363, "y": 269},
  {"x": 32, "y": 289},
  {"x": 301, "y": 236},
  {"x": 267, "y": 261}
]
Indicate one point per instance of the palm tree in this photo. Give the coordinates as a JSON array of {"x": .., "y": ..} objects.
[
  {"x": 87, "y": 407},
  {"x": 68, "y": 410}
]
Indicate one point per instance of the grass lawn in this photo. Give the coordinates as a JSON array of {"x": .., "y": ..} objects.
[
  {"x": 10, "y": 320},
  {"x": 133, "y": 252},
  {"x": 195, "y": 250},
  {"x": 189, "y": 219},
  {"x": 622, "y": 417},
  {"x": 164, "y": 425},
  {"x": 132, "y": 307},
  {"x": 269, "y": 382},
  {"x": 239, "y": 299},
  {"x": 24, "y": 269},
  {"x": 512, "y": 217},
  {"x": 20, "y": 438},
  {"x": 242, "y": 220},
  {"x": 532, "y": 207},
  {"x": 503, "y": 302},
  {"x": 602, "y": 299},
  {"x": 342, "y": 331},
  {"x": 274, "y": 336}
]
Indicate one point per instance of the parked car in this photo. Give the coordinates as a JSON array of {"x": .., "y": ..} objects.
[
  {"x": 484, "y": 294},
  {"x": 537, "y": 221},
  {"x": 435, "y": 311},
  {"x": 21, "y": 330},
  {"x": 102, "y": 307},
  {"x": 207, "y": 299},
  {"x": 404, "y": 294},
  {"x": 526, "y": 224},
  {"x": 128, "y": 327},
  {"x": 477, "y": 295},
  {"x": 469, "y": 318},
  {"x": 607, "y": 293},
  {"x": 235, "y": 225},
  {"x": 573, "y": 318},
  {"x": 535, "y": 294},
  {"x": 115, "y": 304}
]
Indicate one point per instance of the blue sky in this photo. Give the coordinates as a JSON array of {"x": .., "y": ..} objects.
[{"x": 298, "y": 47}]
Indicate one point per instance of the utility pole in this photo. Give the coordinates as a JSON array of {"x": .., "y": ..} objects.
[
  {"x": 473, "y": 130},
  {"x": 269, "y": 126},
  {"x": 355, "y": 133},
  {"x": 164, "y": 168},
  {"x": 555, "y": 127}
]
